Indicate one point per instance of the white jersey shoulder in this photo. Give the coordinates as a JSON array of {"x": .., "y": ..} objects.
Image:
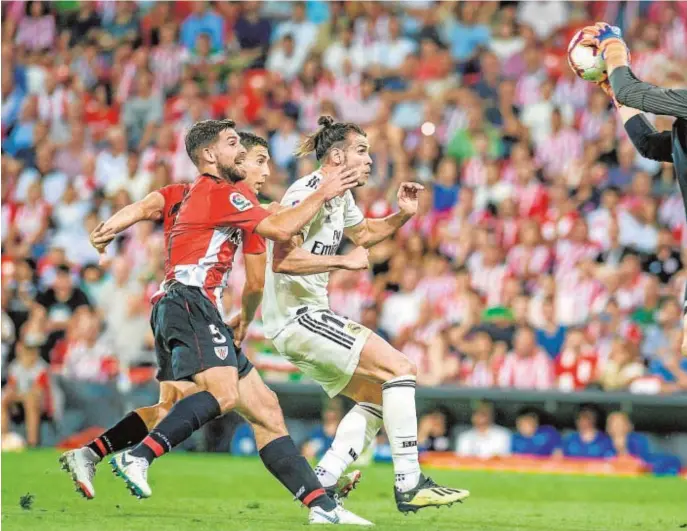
[{"x": 285, "y": 295}]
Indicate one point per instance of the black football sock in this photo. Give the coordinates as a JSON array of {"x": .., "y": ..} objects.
[
  {"x": 183, "y": 419},
  {"x": 130, "y": 430},
  {"x": 282, "y": 459}
]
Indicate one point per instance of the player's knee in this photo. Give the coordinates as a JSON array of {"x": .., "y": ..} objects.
[
  {"x": 404, "y": 367},
  {"x": 227, "y": 398},
  {"x": 162, "y": 409}
]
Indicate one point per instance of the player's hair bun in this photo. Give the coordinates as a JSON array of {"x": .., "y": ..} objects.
[{"x": 325, "y": 121}]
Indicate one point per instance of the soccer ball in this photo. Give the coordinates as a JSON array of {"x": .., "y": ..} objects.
[{"x": 585, "y": 60}]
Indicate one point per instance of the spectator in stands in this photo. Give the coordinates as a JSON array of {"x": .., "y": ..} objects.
[
  {"x": 87, "y": 356},
  {"x": 531, "y": 438},
  {"x": 111, "y": 163},
  {"x": 252, "y": 32},
  {"x": 657, "y": 336},
  {"x": 142, "y": 113},
  {"x": 320, "y": 438},
  {"x": 485, "y": 439},
  {"x": 58, "y": 304},
  {"x": 623, "y": 366},
  {"x": 576, "y": 365},
  {"x": 203, "y": 20},
  {"x": 550, "y": 335},
  {"x": 433, "y": 432},
  {"x": 27, "y": 395},
  {"x": 402, "y": 309},
  {"x": 626, "y": 442},
  {"x": 345, "y": 49},
  {"x": 284, "y": 60},
  {"x": 588, "y": 441},
  {"x": 370, "y": 319},
  {"x": 670, "y": 366},
  {"x": 666, "y": 261},
  {"x": 527, "y": 366},
  {"x": 304, "y": 32},
  {"x": 37, "y": 29}
]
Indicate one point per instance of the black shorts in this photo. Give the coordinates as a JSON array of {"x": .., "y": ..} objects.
[{"x": 191, "y": 337}]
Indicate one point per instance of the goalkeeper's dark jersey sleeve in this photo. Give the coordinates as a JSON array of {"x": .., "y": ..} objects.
[{"x": 646, "y": 97}]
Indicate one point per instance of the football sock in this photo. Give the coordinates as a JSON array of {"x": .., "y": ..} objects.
[
  {"x": 400, "y": 421},
  {"x": 282, "y": 459},
  {"x": 183, "y": 419},
  {"x": 130, "y": 430},
  {"x": 355, "y": 432}
]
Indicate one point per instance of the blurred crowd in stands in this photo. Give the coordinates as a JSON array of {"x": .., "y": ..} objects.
[{"x": 547, "y": 253}]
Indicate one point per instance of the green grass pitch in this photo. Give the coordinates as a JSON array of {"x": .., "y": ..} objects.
[{"x": 217, "y": 492}]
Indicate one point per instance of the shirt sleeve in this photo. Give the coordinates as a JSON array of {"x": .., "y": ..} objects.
[
  {"x": 353, "y": 215},
  {"x": 649, "y": 143},
  {"x": 253, "y": 243},
  {"x": 231, "y": 207},
  {"x": 295, "y": 195},
  {"x": 646, "y": 97}
]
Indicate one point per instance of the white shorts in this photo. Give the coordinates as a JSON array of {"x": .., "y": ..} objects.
[{"x": 324, "y": 346}]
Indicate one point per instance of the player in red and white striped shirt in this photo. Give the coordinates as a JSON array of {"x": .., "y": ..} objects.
[
  {"x": 530, "y": 258},
  {"x": 527, "y": 366},
  {"x": 557, "y": 152},
  {"x": 575, "y": 366},
  {"x": 167, "y": 59}
]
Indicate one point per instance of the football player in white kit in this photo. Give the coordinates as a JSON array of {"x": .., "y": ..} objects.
[{"x": 342, "y": 356}]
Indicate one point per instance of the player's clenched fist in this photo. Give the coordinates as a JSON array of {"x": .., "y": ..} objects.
[
  {"x": 358, "y": 259},
  {"x": 408, "y": 195}
]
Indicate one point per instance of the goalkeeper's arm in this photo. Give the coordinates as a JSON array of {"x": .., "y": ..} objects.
[{"x": 646, "y": 97}]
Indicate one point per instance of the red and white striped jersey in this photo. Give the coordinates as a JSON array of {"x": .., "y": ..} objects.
[
  {"x": 569, "y": 254},
  {"x": 532, "y": 199},
  {"x": 207, "y": 231},
  {"x": 556, "y": 153},
  {"x": 532, "y": 372},
  {"x": 522, "y": 260},
  {"x": 578, "y": 298},
  {"x": 488, "y": 280},
  {"x": 575, "y": 371}
]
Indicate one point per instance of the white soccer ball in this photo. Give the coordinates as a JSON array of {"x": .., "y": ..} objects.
[{"x": 585, "y": 60}]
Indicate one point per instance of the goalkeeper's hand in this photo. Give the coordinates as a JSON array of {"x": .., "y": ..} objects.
[{"x": 609, "y": 40}]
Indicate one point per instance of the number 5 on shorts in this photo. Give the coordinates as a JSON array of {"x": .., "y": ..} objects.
[{"x": 217, "y": 336}]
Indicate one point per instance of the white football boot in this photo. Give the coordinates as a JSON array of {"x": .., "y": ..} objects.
[
  {"x": 337, "y": 516},
  {"x": 80, "y": 465},
  {"x": 134, "y": 471}
]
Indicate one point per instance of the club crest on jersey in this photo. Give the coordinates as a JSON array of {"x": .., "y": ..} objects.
[
  {"x": 222, "y": 352},
  {"x": 240, "y": 202}
]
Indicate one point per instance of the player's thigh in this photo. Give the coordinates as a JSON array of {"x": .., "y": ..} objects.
[
  {"x": 222, "y": 383},
  {"x": 258, "y": 404},
  {"x": 325, "y": 347},
  {"x": 380, "y": 362},
  {"x": 195, "y": 335},
  {"x": 361, "y": 389}
]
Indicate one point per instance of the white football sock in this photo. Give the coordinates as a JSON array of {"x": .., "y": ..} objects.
[
  {"x": 355, "y": 432},
  {"x": 400, "y": 421}
]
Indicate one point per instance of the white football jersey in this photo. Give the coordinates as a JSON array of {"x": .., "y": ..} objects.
[{"x": 284, "y": 295}]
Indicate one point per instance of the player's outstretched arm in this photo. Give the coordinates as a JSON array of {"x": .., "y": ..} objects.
[
  {"x": 291, "y": 259},
  {"x": 648, "y": 142},
  {"x": 150, "y": 207},
  {"x": 288, "y": 222},
  {"x": 629, "y": 90},
  {"x": 372, "y": 231}
]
